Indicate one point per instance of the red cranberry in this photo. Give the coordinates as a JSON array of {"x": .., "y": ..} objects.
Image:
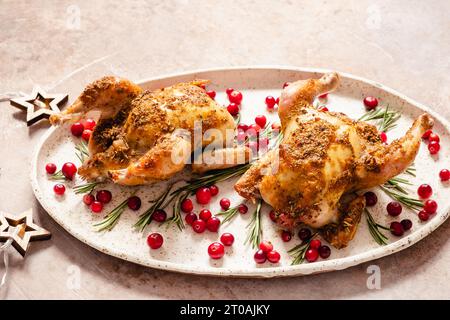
[
  {"x": 50, "y": 168},
  {"x": 315, "y": 244},
  {"x": 434, "y": 137},
  {"x": 77, "y": 129},
  {"x": 286, "y": 236},
  {"x": 266, "y": 246},
  {"x": 68, "y": 170},
  {"x": 214, "y": 190},
  {"x": 260, "y": 257},
  {"x": 159, "y": 215},
  {"x": 427, "y": 133},
  {"x": 383, "y": 137},
  {"x": 324, "y": 252},
  {"x": 242, "y": 208},
  {"x": 396, "y": 229},
  {"x": 88, "y": 199},
  {"x": 423, "y": 215},
  {"x": 286, "y": 84},
  {"x": 394, "y": 208},
  {"x": 273, "y": 256},
  {"x": 235, "y": 97},
  {"x": 253, "y": 130},
  {"x": 216, "y": 250},
  {"x": 96, "y": 206},
  {"x": 104, "y": 196},
  {"x": 277, "y": 101},
  {"x": 273, "y": 216},
  {"x": 430, "y": 206},
  {"x": 304, "y": 234},
  {"x": 225, "y": 203},
  {"x": 134, "y": 203},
  {"x": 311, "y": 255},
  {"x": 211, "y": 94},
  {"x": 425, "y": 191},
  {"x": 190, "y": 218},
  {"x": 270, "y": 102},
  {"x": 202, "y": 85},
  {"x": 155, "y": 240},
  {"x": 370, "y": 102},
  {"x": 434, "y": 147},
  {"x": 199, "y": 226},
  {"x": 444, "y": 174},
  {"x": 227, "y": 239},
  {"x": 213, "y": 224},
  {"x": 86, "y": 135},
  {"x": 233, "y": 109},
  {"x": 406, "y": 224},
  {"x": 203, "y": 195},
  {"x": 261, "y": 121},
  {"x": 371, "y": 198},
  {"x": 187, "y": 205},
  {"x": 59, "y": 189},
  {"x": 89, "y": 124},
  {"x": 323, "y": 108},
  {"x": 229, "y": 90},
  {"x": 242, "y": 127},
  {"x": 205, "y": 214},
  {"x": 323, "y": 96}
]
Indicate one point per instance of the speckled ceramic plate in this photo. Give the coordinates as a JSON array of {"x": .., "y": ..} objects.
[{"x": 187, "y": 251}]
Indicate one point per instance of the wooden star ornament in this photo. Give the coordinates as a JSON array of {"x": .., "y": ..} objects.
[
  {"x": 39, "y": 104},
  {"x": 22, "y": 230}
]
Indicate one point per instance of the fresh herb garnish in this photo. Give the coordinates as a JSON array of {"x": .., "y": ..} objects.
[
  {"x": 85, "y": 188},
  {"x": 374, "y": 229},
  {"x": 82, "y": 151},
  {"x": 298, "y": 252},
  {"x": 57, "y": 176},
  {"x": 111, "y": 218},
  {"x": 255, "y": 233}
]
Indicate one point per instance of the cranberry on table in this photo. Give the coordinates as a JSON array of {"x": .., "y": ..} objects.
[
  {"x": 134, "y": 203},
  {"x": 242, "y": 127},
  {"x": 205, "y": 215},
  {"x": 96, "y": 206},
  {"x": 434, "y": 147},
  {"x": 104, "y": 196},
  {"x": 260, "y": 256},
  {"x": 371, "y": 198},
  {"x": 315, "y": 244},
  {"x": 59, "y": 189},
  {"x": 273, "y": 256},
  {"x": 155, "y": 240},
  {"x": 199, "y": 226},
  {"x": 68, "y": 170},
  {"x": 216, "y": 250},
  {"x": 424, "y": 191},
  {"x": 266, "y": 246},
  {"x": 423, "y": 215},
  {"x": 312, "y": 255},
  {"x": 229, "y": 90},
  {"x": 396, "y": 229},
  {"x": 187, "y": 205},
  {"x": 270, "y": 102},
  {"x": 324, "y": 252},
  {"x": 286, "y": 236},
  {"x": 86, "y": 135},
  {"x": 159, "y": 215},
  {"x": 50, "y": 168},
  {"x": 227, "y": 239},
  {"x": 273, "y": 216},
  {"x": 225, "y": 203},
  {"x": 383, "y": 137},
  {"x": 433, "y": 137},
  {"x": 394, "y": 208},
  {"x": 370, "y": 102},
  {"x": 89, "y": 124},
  {"x": 427, "y": 133},
  {"x": 406, "y": 224},
  {"x": 242, "y": 208},
  {"x": 304, "y": 234},
  {"x": 430, "y": 206},
  {"x": 444, "y": 174},
  {"x": 77, "y": 129},
  {"x": 211, "y": 94},
  {"x": 190, "y": 218},
  {"x": 88, "y": 199},
  {"x": 214, "y": 190},
  {"x": 286, "y": 84},
  {"x": 233, "y": 109},
  {"x": 203, "y": 195},
  {"x": 235, "y": 97},
  {"x": 213, "y": 224},
  {"x": 261, "y": 120}
]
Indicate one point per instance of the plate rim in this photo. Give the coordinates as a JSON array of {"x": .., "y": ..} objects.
[{"x": 268, "y": 272}]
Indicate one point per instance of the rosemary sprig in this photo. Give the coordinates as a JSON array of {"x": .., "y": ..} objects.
[
  {"x": 407, "y": 201},
  {"x": 85, "y": 188},
  {"x": 411, "y": 170},
  {"x": 176, "y": 217},
  {"x": 255, "y": 234},
  {"x": 228, "y": 214},
  {"x": 298, "y": 252},
  {"x": 82, "y": 151},
  {"x": 57, "y": 176},
  {"x": 111, "y": 218},
  {"x": 374, "y": 229},
  {"x": 387, "y": 118}
]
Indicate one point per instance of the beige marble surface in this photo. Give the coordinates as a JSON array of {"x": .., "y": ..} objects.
[{"x": 403, "y": 44}]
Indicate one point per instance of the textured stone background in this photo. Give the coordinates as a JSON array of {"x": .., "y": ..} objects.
[{"x": 403, "y": 44}]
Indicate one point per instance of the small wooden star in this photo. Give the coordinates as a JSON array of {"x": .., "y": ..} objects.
[
  {"x": 39, "y": 104},
  {"x": 28, "y": 231}
]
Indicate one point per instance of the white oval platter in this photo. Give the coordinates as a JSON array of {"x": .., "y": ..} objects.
[{"x": 186, "y": 251}]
